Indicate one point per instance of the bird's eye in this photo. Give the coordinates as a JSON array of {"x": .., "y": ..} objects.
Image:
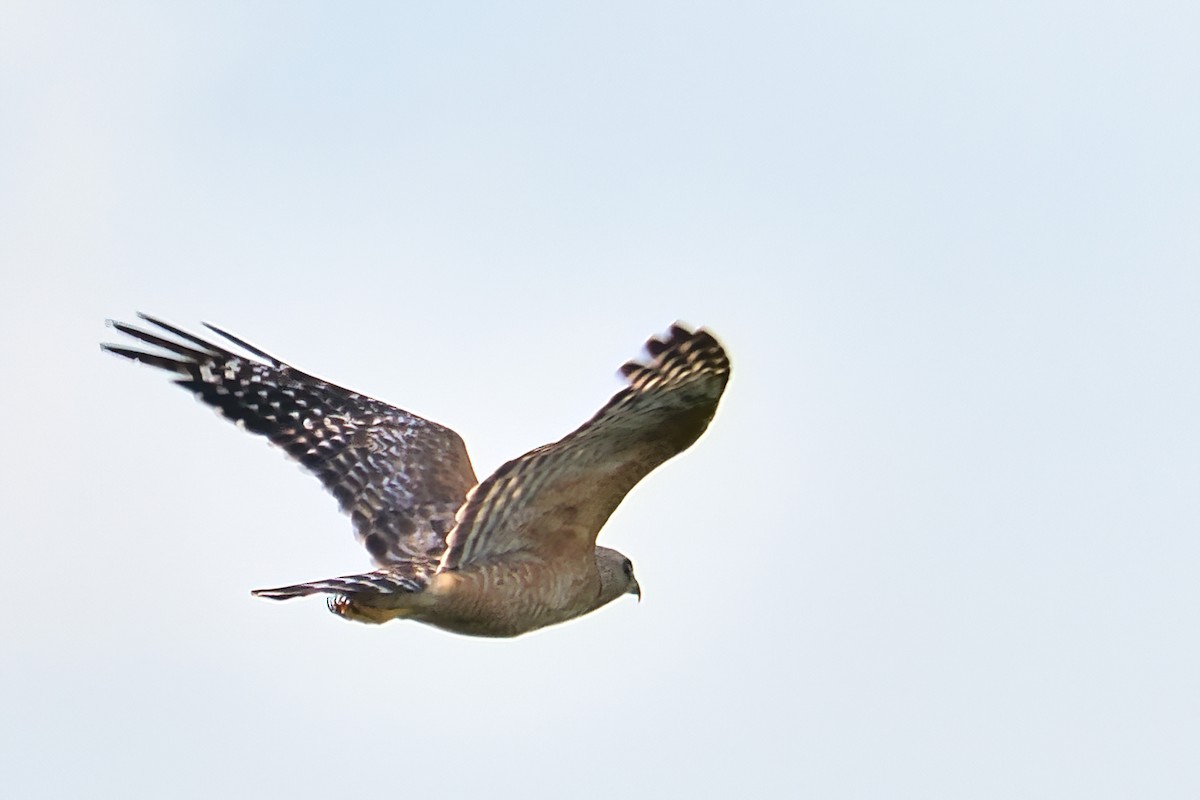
[{"x": 628, "y": 567}]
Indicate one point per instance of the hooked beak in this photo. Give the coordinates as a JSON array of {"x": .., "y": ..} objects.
[{"x": 635, "y": 589}]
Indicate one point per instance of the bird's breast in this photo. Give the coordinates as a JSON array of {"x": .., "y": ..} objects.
[{"x": 509, "y": 598}]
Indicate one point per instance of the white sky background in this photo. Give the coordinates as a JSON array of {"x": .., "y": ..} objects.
[{"x": 941, "y": 541}]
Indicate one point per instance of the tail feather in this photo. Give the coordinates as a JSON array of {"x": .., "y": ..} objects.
[{"x": 405, "y": 578}]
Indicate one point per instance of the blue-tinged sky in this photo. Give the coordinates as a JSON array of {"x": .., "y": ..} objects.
[{"x": 942, "y": 540}]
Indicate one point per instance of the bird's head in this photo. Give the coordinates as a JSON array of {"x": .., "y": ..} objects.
[{"x": 616, "y": 576}]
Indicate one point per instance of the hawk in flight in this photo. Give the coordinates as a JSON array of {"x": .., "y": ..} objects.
[{"x": 501, "y": 557}]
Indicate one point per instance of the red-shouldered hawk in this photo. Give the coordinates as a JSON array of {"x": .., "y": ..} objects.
[{"x": 509, "y": 555}]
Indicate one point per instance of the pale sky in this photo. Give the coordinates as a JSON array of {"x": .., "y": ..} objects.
[{"x": 941, "y": 540}]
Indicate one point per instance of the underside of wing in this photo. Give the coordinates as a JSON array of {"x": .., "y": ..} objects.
[
  {"x": 400, "y": 477},
  {"x": 554, "y": 500}
]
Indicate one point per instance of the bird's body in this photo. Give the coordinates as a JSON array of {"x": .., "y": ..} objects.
[
  {"x": 512, "y": 554},
  {"x": 506, "y": 599}
]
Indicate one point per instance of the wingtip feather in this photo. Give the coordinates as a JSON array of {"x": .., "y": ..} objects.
[
  {"x": 242, "y": 343},
  {"x": 680, "y": 341}
]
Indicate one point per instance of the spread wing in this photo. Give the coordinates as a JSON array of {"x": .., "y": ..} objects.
[
  {"x": 401, "y": 478},
  {"x": 554, "y": 500}
]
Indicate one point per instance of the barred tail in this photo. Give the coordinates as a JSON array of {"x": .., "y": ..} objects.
[{"x": 397, "y": 579}]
